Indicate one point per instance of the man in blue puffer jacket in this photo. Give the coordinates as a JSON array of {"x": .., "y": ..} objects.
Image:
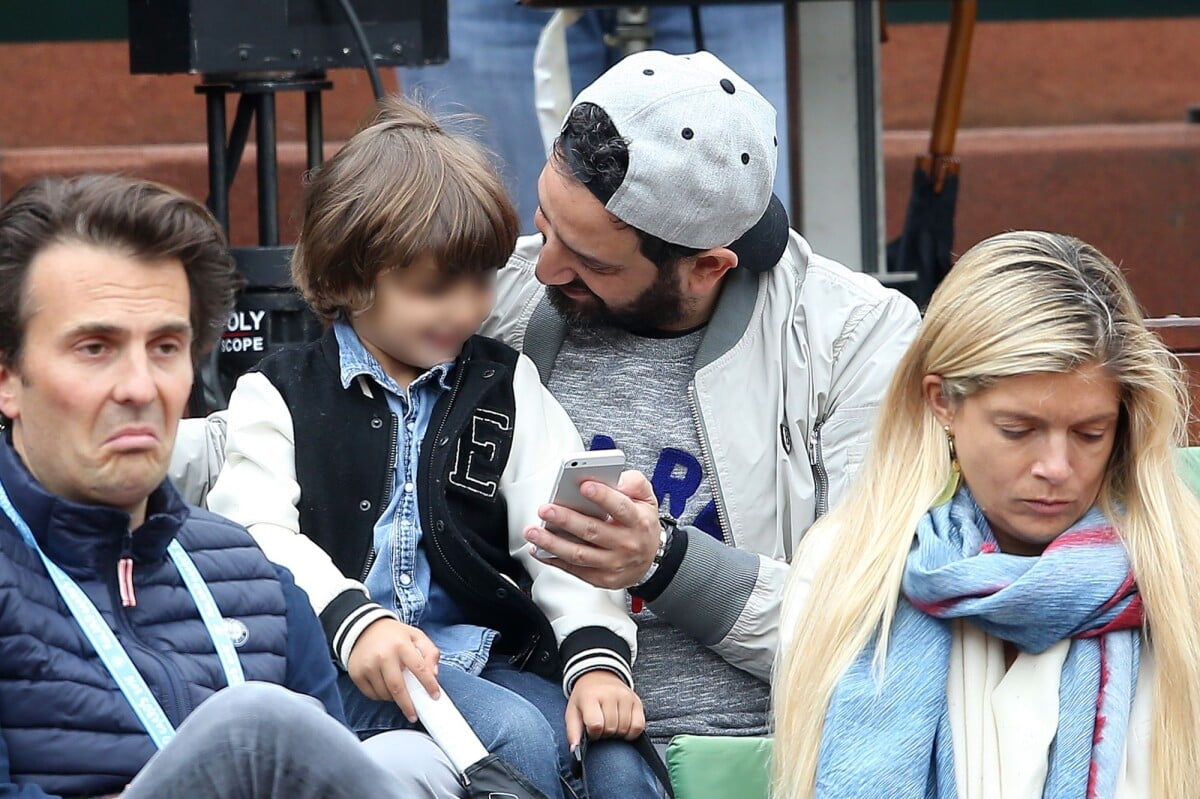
[{"x": 125, "y": 612}]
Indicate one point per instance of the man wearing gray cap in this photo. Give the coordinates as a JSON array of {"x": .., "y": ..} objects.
[{"x": 674, "y": 314}]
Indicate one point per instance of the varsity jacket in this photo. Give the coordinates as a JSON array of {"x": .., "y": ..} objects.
[
  {"x": 65, "y": 727},
  {"x": 793, "y": 365},
  {"x": 309, "y": 469}
]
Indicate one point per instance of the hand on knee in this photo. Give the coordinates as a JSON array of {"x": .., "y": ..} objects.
[
  {"x": 381, "y": 655},
  {"x": 605, "y": 707}
]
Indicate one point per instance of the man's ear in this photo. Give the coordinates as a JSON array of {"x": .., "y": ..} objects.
[
  {"x": 705, "y": 269},
  {"x": 10, "y": 390},
  {"x": 935, "y": 397}
]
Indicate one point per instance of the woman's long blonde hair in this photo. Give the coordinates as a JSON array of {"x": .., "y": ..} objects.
[{"x": 1014, "y": 304}]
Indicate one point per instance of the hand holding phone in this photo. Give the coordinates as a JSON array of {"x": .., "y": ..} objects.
[{"x": 602, "y": 466}]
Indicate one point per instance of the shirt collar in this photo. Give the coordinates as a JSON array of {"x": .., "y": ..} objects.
[{"x": 355, "y": 360}]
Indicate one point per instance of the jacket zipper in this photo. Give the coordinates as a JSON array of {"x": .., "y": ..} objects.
[
  {"x": 709, "y": 469},
  {"x": 174, "y": 690},
  {"x": 820, "y": 477},
  {"x": 370, "y": 562},
  {"x": 388, "y": 481},
  {"x": 431, "y": 530},
  {"x": 521, "y": 659}
]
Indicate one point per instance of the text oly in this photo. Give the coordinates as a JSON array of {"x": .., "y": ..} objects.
[{"x": 243, "y": 332}]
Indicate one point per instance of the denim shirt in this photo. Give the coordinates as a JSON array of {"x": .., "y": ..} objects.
[{"x": 400, "y": 578}]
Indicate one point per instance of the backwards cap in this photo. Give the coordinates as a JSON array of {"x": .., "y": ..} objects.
[{"x": 702, "y": 154}]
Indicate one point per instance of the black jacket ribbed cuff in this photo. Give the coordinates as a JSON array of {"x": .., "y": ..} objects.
[
  {"x": 667, "y": 568},
  {"x": 591, "y": 648}
]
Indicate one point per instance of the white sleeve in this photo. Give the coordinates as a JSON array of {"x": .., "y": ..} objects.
[
  {"x": 197, "y": 456},
  {"x": 543, "y": 434},
  {"x": 257, "y": 488},
  {"x": 868, "y": 352}
]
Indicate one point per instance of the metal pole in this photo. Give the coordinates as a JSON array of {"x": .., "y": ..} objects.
[
  {"x": 795, "y": 111},
  {"x": 312, "y": 127},
  {"x": 218, "y": 192},
  {"x": 268, "y": 171},
  {"x": 237, "y": 138},
  {"x": 866, "y": 43}
]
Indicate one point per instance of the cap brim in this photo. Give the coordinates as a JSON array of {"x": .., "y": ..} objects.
[{"x": 761, "y": 247}]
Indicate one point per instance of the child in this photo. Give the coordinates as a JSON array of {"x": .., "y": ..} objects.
[{"x": 393, "y": 464}]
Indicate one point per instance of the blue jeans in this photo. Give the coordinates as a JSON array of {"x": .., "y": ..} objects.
[
  {"x": 490, "y": 71},
  {"x": 260, "y": 741},
  {"x": 520, "y": 717}
]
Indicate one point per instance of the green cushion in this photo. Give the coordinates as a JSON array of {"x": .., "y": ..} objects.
[{"x": 719, "y": 767}]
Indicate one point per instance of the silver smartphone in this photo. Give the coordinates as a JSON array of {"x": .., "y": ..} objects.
[{"x": 601, "y": 465}]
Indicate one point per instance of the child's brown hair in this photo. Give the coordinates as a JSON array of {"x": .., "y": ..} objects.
[{"x": 400, "y": 187}]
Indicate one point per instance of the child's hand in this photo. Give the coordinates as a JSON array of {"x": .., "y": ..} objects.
[
  {"x": 381, "y": 654},
  {"x": 605, "y": 706}
]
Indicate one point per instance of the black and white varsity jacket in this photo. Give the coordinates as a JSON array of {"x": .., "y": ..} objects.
[{"x": 308, "y": 470}]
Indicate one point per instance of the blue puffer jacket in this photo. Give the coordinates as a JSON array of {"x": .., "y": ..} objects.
[{"x": 65, "y": 727}]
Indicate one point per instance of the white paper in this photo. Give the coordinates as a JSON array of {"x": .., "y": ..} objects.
[{"x": 445, "y": 725}]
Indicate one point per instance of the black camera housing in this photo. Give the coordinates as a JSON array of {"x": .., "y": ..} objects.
[{"x": 290, "y": 36}]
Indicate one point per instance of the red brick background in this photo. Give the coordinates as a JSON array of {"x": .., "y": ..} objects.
[{"x": 1075, "y": 126}]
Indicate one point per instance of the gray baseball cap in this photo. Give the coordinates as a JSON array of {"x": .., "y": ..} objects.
[{"x": 702, "y": 154}]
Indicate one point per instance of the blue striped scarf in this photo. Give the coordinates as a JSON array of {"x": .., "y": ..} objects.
[{"x": 891, "y": 738}]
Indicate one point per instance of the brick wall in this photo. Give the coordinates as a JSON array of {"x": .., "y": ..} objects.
[{"x": 1075, "y": 126}]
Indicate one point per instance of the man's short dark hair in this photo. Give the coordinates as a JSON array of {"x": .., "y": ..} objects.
[
  {"x": 598, "y": 157},
  {"x": 136, "y": 218}
]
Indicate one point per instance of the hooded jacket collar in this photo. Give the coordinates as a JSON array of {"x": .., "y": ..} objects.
[{"x": 86, "y": 539}]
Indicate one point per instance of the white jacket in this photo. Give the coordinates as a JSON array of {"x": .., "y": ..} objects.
[{"x": 793, "y": 366}]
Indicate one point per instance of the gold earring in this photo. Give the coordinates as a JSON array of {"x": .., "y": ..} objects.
[
  {"x": 951, "y": 487},
  {"x": 950, "y": 444}
]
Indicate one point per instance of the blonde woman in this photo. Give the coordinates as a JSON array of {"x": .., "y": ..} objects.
[{"x": 1006, "y": 603}]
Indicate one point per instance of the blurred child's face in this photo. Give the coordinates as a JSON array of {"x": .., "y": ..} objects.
[{"x": 420, "y": 318}]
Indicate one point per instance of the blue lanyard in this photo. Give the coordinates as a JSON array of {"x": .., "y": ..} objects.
[{"x": 113, "y": 655}]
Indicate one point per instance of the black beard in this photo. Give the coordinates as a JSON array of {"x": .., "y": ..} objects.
[{"x": 656, "y": 308}]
